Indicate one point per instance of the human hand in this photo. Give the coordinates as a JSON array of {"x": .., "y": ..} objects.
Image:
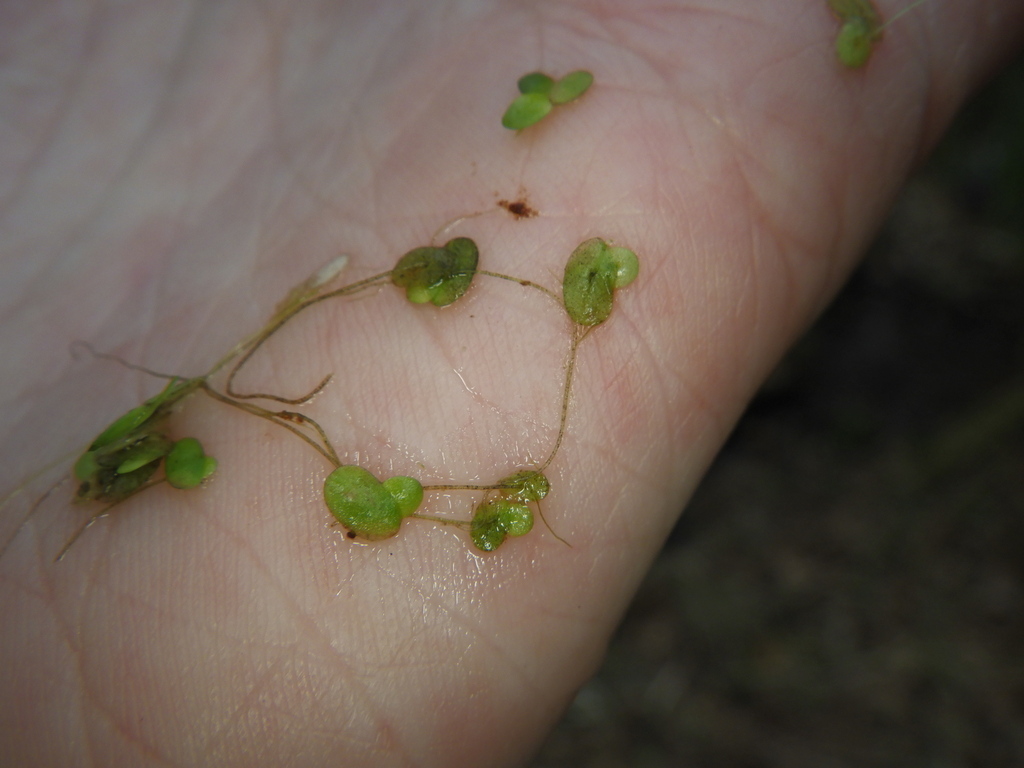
[{"x": 171, "y": 172}]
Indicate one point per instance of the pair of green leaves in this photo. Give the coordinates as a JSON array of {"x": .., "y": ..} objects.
[
  {"x": 370, "y": 509},
  {"x": 440, "y": 275},
  {"x": 539, "y": 94},
  {"x": 125, "y": 455},
  {"x": 507, "y": 513},
  {"x": 592, "y": 274}
]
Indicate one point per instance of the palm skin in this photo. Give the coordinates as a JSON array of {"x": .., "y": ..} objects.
[{"x": 169, "y": 172}]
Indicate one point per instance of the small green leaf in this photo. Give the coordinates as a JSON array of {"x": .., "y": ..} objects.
[
  {"x": 862, "y": 28},
  {"x": 855, "y": 43},
  {"x": 437, "y": 275},
  {"x": 527, "y": 109},
  {"x": 570, "y": 87},
  {"x": 487, "y": 529},
  {"x": 461, "y": 272},
  {"x": 517, "y": 519},
  {"x": 418, "y": 294},
  {"x": 592, "y": 274},
  {"x": 496, "y": 519},
  {"x": 124, "y": 425},
  {"x": 148, "y": 449},
  {"x": 187, "y": 464},
  {"x": 362, "y": 504},
  {"x": 535, "y": 82},
  {"x": 588, "y": 283},
  {"x": 627, "y": 266},
  {"x": 406, "y": 491}
]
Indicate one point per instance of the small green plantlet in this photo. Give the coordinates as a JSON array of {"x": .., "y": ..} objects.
[
  {"x": 855, "y": 42},
  {"x": 124, "y": 458},
  {"x": 125, "y": 455},
  {"x": 506, "y": 512},
  {"x": 187, "y": 464},
  {"x": 862, "y": 28},
  {"x": 592, "y": 274},
  {"x": 438, "y": 275},
  {"x": 539, "y": 93},
  {"x": 497, "y": 519},
  {"x": 118, "y": 470},
  {"x": 370, "y": 509},
  {"x": 524, "y": 486}
]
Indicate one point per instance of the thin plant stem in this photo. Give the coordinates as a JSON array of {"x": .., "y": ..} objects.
[
  {"x": 527, "y": 283},
  {"x": 273, "y": 327},
  {"x": 326, "y": 450},
  {"x": 579, "y": 334},
  {"x": 464, "y": 524}
]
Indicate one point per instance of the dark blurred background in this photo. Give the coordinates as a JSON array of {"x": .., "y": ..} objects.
[{"x": 845, "y": 588}]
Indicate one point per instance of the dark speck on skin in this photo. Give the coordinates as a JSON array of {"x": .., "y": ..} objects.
[{"x": 518, "y": 208}]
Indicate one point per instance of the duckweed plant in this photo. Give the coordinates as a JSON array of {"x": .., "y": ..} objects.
[
  {"x": 372, "y": 509},
  {"x": 540, "y": 93},
  {"x": 861, "y": 29},
  {"x": 127, "y": 457}
]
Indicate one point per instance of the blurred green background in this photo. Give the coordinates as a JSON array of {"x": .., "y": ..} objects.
[{"x": 845, "y": 588}]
